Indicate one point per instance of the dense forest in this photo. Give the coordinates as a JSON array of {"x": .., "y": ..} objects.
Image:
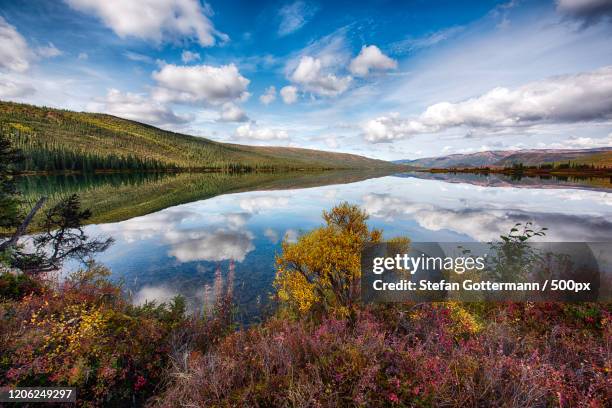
[
  {"x": 60, "y": 140},
  {"x": 52, "y": 156}
]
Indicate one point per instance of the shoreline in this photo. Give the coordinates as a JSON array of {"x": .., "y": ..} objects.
[
  {"x": 598, "y": 173},
  {"x": 199, "y": 171}
]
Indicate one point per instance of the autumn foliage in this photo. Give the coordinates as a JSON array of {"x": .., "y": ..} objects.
[
  {"x": 504, "y": 355},
  {"x": 81, "y": 333},
  {"x": 320, "y": 272}
]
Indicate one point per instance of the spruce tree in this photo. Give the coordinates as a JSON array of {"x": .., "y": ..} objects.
[{"x": 9, "y": 198}]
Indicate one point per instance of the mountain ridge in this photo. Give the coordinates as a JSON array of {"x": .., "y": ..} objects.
[{"x": 506, "y": 158}]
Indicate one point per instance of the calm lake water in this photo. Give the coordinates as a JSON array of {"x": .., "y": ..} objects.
[{"x": 229, "y": 235}]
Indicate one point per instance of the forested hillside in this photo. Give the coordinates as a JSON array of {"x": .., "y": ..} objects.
[{"x": 61, "y": 140}]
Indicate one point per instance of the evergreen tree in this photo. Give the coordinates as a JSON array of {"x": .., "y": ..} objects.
[{"x": 9, "y": 199}]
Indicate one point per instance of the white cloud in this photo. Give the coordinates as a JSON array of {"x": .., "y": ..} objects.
[
  {"x": 83, "y": 56},
  {"x": 251, "y": 131},
  {"x": 333, "y": 50},
  {"x": 561, "y": 99},
  {"x": 331, "y": 142},
  {"x": 134, "y": 56},
  {"x": 370, "y": 58},
  {"x": 232, "y": 113},
  {"x": 12, "y": 89},
  {"x": 414, "y": 44},
  {"x": 200, "y": 83},
  {"x": 316, "y": 67},
  {"x": 137, "y": 107},
  {"x": 581, "y": 143},
  {"x": 16, "y": 56},
  {"x": 14, "y": 52},
  {"x": 310, "y": 74},
  {"x": 48, "y": 51},
  {"x": 589, "y": 11},
  {"x": 568, "y": 98},
  {"x": 294, "y": 16},
  {"x": 154, "y": 20},
  {"x": 188, "y": 56},
  {"x": 391, "y": 127},
  {"x": 268, "y": 96},
  {"x": 289, "y": 94}
]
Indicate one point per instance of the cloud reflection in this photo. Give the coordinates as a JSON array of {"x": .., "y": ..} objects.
[
  {"x": 149, "y": 226},
  {"x": 272, "y": 235},
  {"x": 257, "y": 204},
  {"x": 219, "y": 245},
  {"x": 157, "y": 294},
  {"x": 487, "y": 223},
  {"x": 291, "y": 236},
  {"x": 236, "y": 220}
]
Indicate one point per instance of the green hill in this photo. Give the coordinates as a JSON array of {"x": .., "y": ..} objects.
[{"x": 62, "y": 140}]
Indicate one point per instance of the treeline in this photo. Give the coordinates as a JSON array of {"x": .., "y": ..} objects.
[
  {"x": 51, "y": 156},
  {"x": 52, "y": 160},
  {"x": 556, "y": 166},
  {"x": 540, "y": 168}
]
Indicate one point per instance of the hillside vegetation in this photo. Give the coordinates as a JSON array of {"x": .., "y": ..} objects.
[
  {"x": 603, "y": 159},
  {"x": 62, "y": 140}
]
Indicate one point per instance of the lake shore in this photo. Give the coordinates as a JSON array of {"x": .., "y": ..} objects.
[
  {"x": 526, "y": 172},
  {"x": 199, "y": 170}
]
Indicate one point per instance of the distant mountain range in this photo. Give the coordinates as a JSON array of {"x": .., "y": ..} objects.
[{"x": 505, "y": 158}]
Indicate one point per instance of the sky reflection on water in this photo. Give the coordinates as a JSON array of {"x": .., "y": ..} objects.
[{"x": 188, "y": 248}]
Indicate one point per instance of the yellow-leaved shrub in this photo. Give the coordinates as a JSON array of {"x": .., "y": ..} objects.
[{"x": 320, "y": 273}]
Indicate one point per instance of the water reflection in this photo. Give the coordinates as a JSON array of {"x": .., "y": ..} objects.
[
  {"x": 206, "y": 247},
  {"x": 219, "y": 245},
  {"x": 485, "y": 221},
  {"x": 519, "y": 181}
]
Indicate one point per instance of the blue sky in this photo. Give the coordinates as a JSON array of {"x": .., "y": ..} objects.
[{"x": 384, "y": 79}]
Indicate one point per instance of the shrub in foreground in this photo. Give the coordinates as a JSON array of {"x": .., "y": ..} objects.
[
  {"x": 511, "y": 355},
  {"x": 83, "y": 333}
]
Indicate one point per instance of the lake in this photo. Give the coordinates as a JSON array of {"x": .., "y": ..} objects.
[{"x": 194, "y": 234}]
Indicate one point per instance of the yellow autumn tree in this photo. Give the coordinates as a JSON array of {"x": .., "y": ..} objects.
[{"x": 321, "y": 272}]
